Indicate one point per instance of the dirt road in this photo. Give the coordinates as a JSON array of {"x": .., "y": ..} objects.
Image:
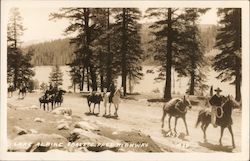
[{"x": 140, "y": 115}]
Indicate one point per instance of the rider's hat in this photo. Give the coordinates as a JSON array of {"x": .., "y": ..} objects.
[{"x": 218, "y": 90}]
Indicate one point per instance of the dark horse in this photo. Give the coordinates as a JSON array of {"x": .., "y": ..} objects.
[
  {"x": 45, "y": 100},
  {"x": 223, "y": 118},
  {"x": 95, "y": 98},
  {"x": 59, "y": 97},
  {"x": 11, "y": 89},
  {"x": 176, "y": 108},
  {"x": 23, "y": 91},
  {"x": 48, "y": 97}
]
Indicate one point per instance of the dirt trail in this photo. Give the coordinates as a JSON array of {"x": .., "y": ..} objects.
[{"x": 138, "y": 115}]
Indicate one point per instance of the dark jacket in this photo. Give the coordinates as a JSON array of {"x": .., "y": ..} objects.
[{"x": 216, "y": 100}]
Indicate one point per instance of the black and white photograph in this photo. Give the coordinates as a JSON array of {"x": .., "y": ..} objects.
[{"x": 106, "y": 79}]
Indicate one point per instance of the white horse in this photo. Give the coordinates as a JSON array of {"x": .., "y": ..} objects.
[{"x": 116, "y": 100}]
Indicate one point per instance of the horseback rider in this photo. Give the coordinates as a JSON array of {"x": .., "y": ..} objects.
[
  {"x": 215, "y": 101},
  {"x": 112, "y": 89}
]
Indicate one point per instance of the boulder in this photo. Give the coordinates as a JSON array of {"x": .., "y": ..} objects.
[
  {"x": 63, "y": 126},
  {"x": 34, "y": 107},
  {"x": 37, "y": 143},
  {"x": 19, "y": 130},
  {"x": 32, "y": 131},
  {"x": 87, "y": 126},
  {"x": 62, "y": 111},
  {"x": 77, "y": 131},
  {"x": 95, "y": 142},
  {"x": 61, "y": 121},
  {"x": 37, "y": 119},
  {"x": 67, "y": 117}
]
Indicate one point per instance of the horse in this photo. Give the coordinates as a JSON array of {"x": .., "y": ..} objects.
[
  {"x": 115, "y": 100},
  {"x": 59, "y": 97},
  {"x": 223, "y": 118},
  {"x": 11, "y": 89},
  {"x": 23, "y": 91},
  {"x": 176, "y": 108},
  {"x": 95, "y": 98},
  {"x": 45, "y": 100}
]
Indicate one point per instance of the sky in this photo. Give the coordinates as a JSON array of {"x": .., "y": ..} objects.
[{"x": 39, "y": 28}]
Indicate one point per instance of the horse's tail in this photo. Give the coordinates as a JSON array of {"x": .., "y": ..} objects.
[{"x": 198, "y": 119}]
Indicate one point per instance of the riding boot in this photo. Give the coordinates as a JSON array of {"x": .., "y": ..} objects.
[{"x": 213, "y": 116}]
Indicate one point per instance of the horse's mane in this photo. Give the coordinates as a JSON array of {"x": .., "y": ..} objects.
[{"x": 229, "y": 100}]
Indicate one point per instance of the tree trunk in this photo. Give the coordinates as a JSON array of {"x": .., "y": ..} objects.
[
  {"x": 88, "y": 85},
  {"x": 192, "y": 79},
  {"x": 92, "y": 69},
  {"x": 237, "y": 81},
  {"x": 192, "y": 73},
  {"x": 109, "y": 55},
  {"x": 82, "y": 81},
  {"x": 167, "y": 92},
  {"x": 124, "y": 48},
  {"x": 238, "y": 59},
  {"x": 93, "y": 78}
]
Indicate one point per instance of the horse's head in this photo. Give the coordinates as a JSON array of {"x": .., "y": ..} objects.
[
  {"x": 119, "y": 91},
  {"x": 230, "y": 101},
  {"x": 187, "y": 102}
]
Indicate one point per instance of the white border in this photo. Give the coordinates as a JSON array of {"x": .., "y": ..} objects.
[{"x": 243, "y": 155}]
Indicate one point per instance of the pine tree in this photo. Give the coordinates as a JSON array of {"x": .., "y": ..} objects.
[
  {"x": 19, "y": 66},
  {"x": 191, "y": 58},
  {"x": 166, "y": 31},
  {"x": 128, "y": 43},
  {"x": 56, "y": 76},
  {"x": 228, "y": 41},
  {"x": 83, "y": 23}
]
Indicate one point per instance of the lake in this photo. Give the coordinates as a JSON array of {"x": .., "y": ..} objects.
[{"x": 146, "y": 85}]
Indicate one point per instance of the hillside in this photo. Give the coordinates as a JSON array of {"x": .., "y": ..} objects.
[
  {"x": 52, "y": 52},
  {"x": 60, "y": 51}
]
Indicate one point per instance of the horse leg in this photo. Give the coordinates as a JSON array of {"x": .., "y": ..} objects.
[
  {"x": 52, "y": 105},
  {"x": 204, "y": 131},
  {"x": 185, "y": 122},
  {"x": 89, "y": 107},
  {"x": 98, "y": 107},
  {"x": 94, "y": 108},
  {"x": 110, "y": 109},
  {"x": 175, "y": 123},
  {"x": 162, "y": 119},
  {"x": 116, "y": 109},
  {"x": 169, "y": 122},
  {"x": 221, "y": 134},
  {"x": 105, "y": 106},
  {"x": 231, "y": 132}
]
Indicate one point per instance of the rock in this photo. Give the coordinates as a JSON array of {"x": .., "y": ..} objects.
[
  {"x": 87, "y": 126},
  {"x": 114, "y": 133},
  {"x": 62, "y": 111},
  {"x": 20, "y": 131},
  {"x": 96, "y": 143},
  {"x": 77, "y": 131},
  {"x": 63, "y": 126},
  {"x": 37, "y": 119},
  {"x": 37, "y": 143},
  {"x": 67, "y": 117},
  {"x": 34, "y": 107},
  {"x": 32, "y": 131},
  {"x": 61, "y": 121}
]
